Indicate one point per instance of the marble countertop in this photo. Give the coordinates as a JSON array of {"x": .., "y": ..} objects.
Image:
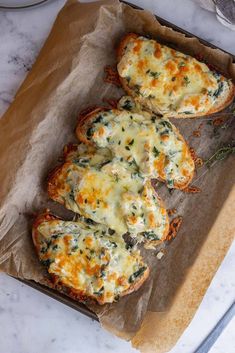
[{"x": 32, "y": 322}]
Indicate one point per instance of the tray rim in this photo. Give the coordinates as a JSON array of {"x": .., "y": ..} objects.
[{"x": 60, "y": 297}]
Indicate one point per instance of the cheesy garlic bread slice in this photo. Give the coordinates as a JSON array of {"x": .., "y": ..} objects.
[
  {"x": 90, "y": 261},
  {"x": 169, "y": 82},
  {"x": 151, "y": 143},
  {"x": 110, "y": 192}
]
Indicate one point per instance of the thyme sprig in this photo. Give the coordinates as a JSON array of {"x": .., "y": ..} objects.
[{"x": 221, "y": 154}]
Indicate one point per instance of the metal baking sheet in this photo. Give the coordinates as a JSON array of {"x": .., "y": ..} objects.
[{"x": 59, "y": 296}]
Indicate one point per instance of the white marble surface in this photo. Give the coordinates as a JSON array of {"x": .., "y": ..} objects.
[{"x": 34, "y": 323}]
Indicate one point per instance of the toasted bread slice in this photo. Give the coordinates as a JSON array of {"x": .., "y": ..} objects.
[
  {"x": 89, "y": 260},
  {"x": 169, "y": 82},
  {"x": 110, "y": 193},
  {"x": 152, "y": 143}
]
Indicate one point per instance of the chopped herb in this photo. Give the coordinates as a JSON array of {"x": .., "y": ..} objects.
[
  {"x": 128, "y": 79},
  {"x": 98, "y": 119},
  {"x": 153, "y": 74},
  {"x": 55, "y": 236},
  {"x": 85, "y": 200},
  {"x": 127, "y": 148},
  {"x": 135, "y": 208},
  {"x": 55, "y": 247},
  {"x": 148, "y": 71},
  {"x": 71, "y": 196},
  {"x": 187, "y": 112},
  {"x": 153, "y": 118},
  {"x": 155, "y": 152},
  {"x": 43, "y": 250},
  {"x": 186, "y": 80},
  {"x": 127, "y": 105},
  {"x": 136, "y": 274},
  {"x": 89, "y": 133},
  {"x": 123, "y": 129},
  {"x": 173, "y": 78},
  {"x": 129, "y": 246},
  {"x": 221, "y": 154},
  {"x": 108, "y": 139},
  {"x": 151, "y": 96},
  {"x": 166, "y": 124},
  {"x": 170, "y": 183},
  {"x": 136, "y": 88},
  {"x": 89, "y": 221},
  {"x": 88, "y": 257},
  {"x": 81, "y": 252},
  {"x": 219, "y": 90},
  {"x": 47, "y": 262},
  {"x": 131, "y": 142},
  {"x": 131, "y": 117},
  {"x": 181, "y": 64},
  {"x": 119, "y": 142},
  {"x": 111, "y": 231},
  {"x": 100, "y": 291},
  {"x": 150, "y": 235}
]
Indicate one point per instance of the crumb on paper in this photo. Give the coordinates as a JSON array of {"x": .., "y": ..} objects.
[
  {"x": 112, "y": 76},
  {"x": 171, "y": 211},
  {"x": 196, "y": 133},
  {"x": 160, "y": 255},
  {"x": 192, "y": 189}
]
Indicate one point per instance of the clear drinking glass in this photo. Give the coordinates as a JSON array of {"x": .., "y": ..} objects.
[{"x": 20, "y": 4}]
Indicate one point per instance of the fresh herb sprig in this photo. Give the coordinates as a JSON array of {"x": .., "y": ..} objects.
[{"x": 221, "y": 154}]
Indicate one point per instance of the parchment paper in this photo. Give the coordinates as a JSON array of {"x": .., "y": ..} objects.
[{"x": 67, "y": 77}]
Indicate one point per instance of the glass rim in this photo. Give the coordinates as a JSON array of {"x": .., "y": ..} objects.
[{"x": 23, "y": 6}]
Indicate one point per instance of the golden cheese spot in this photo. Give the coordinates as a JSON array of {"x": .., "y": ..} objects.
[
  {"x": 159, "y": 164},
  {"x": 137, "y": 47},
  {"x": 147, "y": 146},
  {"x": 101, "y": 131},
  {"x": 185, "y": 172},
  {"x": 158, "y": 51},
  {"x": 183, "y": 69},
  {"x": 171, "y": 66},
  {"x": 112, "y": 276},
  {"x": 165, "y": 137},
  {"x": 121, "y": 280},
  {"x": 151, "y": 219},
  {"x": 132, "y": 219},
  {"x": 93, "y": 270},
  {"x": 194, "y": 101},
  {"x": 88, "y": 241},
  {"x": 154, "y": 82},
  {"x": 197, "y": 67},
  {"x": 142, "y": 64},
  {"x": 79, "y": 199},
  {"x": 109, "y": 295},
  {"x": 67, "y": 239}
]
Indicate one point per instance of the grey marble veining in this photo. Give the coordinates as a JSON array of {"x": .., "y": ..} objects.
[{"x": 34, "y": 323}]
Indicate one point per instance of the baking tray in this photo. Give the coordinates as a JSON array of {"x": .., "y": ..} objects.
[{"x": 57, "y": 295}]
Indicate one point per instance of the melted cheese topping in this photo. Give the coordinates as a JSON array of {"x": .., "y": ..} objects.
[
  {"x": 112, "y": 193},
  {"x": 147, "y": 141},
  {"x": 88, "y": 258},
  {"x": 171, "y": 81}
]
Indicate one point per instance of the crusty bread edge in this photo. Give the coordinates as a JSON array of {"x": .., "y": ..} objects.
[
  {"x": 87, "y": 120},
  {"x": 55, "y": 281},
  {"x": 217, "y": 108}
]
